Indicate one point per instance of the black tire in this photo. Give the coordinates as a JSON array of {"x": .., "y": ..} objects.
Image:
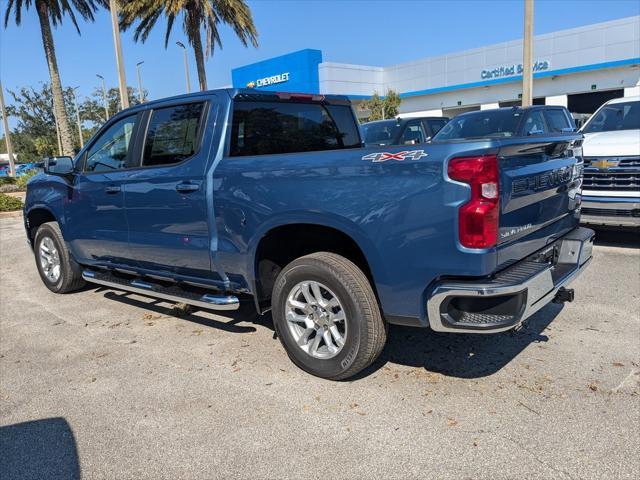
[
  {"x": 366, "y": 332},
  {"x": 70, "y": 277}
]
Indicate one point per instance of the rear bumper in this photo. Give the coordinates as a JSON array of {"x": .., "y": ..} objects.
[
  {"x": 513, "y": 295},
  {"x": 611, "y": 211}
]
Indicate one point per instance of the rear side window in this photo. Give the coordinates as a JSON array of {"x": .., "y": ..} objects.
[
  {"x": 263, "y": 128},
  {"x": 481, "y": 124},
  {"x": 557, "y": 120},
  {"x": 413, "y": 133},
  {"x": 436, "y": 125},
  {"x": 172, "y": 134},
  {"x": 382, "y": 132}
]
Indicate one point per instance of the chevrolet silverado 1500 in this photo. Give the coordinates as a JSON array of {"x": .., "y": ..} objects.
[
  {"x": 215, "y": 197},
  {"x": 612, "y": 165}
]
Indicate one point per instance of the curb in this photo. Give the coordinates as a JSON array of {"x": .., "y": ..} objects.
[{"x": 13, "y": 214}]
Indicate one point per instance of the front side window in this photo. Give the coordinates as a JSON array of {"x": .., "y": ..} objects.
[
  {"x": 413, "y": 134},
  {"x": 264, "y": 128},
  {"x": 111, "y": 149},
  {"x": 557, "y": 120},
  {"x": 172, "y": 134},
  {"x": 615, "y": 116},
  {"x": 534, "y": 125}
]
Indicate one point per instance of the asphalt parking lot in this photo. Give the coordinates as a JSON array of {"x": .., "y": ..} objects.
[{"x": 101, "y": 384}]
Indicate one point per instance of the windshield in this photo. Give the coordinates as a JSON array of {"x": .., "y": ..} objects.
[
  {"x": 616, "y": 116},
  {"x": 380, "y": 133},
  {"x": 481, "y": 124}
]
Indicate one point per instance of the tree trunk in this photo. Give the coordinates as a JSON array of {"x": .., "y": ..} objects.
[
  {"x": 56, "y": 85},
  {"x": 196, "y": 43}
]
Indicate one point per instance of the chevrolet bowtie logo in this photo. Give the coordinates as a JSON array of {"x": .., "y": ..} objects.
[
  {"x": 251, "y": 84},
  {"x": 604, "y": 164}
]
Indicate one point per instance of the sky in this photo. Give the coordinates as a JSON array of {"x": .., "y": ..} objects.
[{"x": 372, "y": 32}]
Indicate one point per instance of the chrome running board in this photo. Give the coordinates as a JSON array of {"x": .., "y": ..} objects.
[{"x": 171, "y": 293}]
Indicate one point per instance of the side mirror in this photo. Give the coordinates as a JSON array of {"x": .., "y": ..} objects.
[{"x": 58, "y": 166}]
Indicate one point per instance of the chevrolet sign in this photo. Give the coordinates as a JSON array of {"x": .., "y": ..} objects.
[{"x": 272, "y": 80}]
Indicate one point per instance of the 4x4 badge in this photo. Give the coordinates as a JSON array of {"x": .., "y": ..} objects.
[{"x": 400, "y": 156}]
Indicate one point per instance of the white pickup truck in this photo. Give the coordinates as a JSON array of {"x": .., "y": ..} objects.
[{"x": 611, "y": 188}]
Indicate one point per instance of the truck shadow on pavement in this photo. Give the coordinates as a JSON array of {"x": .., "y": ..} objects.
[
  {"x": 228, "y": 323},
  {"x": 39, "y": 449},
  {"x": 462, "y": 355},
  {"x": 617, "y": 238},
  {"x": 454, "y": 355}
]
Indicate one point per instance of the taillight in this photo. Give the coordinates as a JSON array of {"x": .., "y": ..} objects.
[{"x": 478, "y": 218}]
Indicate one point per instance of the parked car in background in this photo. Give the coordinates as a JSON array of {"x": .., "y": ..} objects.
[
  {"x": 401, "y": 131},
  {"x": 217, "y": 196},
  {"x": 580, "y": 118},
  {"x": 21, "y": 169},
  {"x": 508, "y": 122},
  {"x": 611, "y": 189}
]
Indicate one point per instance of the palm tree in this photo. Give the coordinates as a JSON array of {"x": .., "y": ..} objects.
[
  {"x": 196, "y": 15},
  {"x": 51, "y": 12}
]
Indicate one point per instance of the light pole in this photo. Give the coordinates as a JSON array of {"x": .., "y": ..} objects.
[
  {"x": 122, "y": 81},
  {"x": 7, "y": 138},
  {"x": 75, "y": 102},
  {"x": 140, "y": 95},
  {"x": 104, "y": 96},
  {"x": 186, "y": 65},
  {"x": 527, "y": 73}
]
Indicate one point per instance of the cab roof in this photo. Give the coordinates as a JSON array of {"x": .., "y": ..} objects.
[
  {"x": 247, "y": 94},
  {"x": 624, "y": 100}
]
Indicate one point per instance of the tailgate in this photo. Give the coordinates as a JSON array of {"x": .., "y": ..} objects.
[{"x": 540, "y": 185}]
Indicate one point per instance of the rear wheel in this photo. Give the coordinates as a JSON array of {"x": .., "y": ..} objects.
[
  {"x": 327, "y": 317},
  {"x": 58, "y": 271}
]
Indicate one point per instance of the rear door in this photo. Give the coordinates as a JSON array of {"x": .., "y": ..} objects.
[
  {"x": 540, "y": 186},
  {"x": 166, "y": 201}
]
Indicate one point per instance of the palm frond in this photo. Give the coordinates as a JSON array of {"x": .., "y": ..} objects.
[
  {"x": 7, "y": 13},
  {"x": 197, "y": 15},
  {"x": 170, "y": 19},
  {"x": 61, "y": 10}
]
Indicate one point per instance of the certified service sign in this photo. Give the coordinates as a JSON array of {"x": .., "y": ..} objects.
[{"x": 272, "y": 80}]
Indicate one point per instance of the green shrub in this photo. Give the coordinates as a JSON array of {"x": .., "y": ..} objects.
[
  {"x": 7, "y": 180},
  {"x": 9, "y": 204},
  {"x": 21, "y": 181}
]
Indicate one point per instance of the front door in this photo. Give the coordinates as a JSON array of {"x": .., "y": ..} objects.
[
  {"x": 166, "y": 198},
  {"x": 96, "y": 225}
]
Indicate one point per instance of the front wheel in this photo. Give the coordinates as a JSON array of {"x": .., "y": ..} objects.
[
  {"x": 327, "y": 317},
  {"x": 58, "y": 271}
]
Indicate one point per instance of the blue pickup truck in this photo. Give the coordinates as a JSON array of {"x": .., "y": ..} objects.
[{"x": 235, "y": 195}]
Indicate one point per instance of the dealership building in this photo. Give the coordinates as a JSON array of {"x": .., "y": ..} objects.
[{"x": 579, "y": 68}]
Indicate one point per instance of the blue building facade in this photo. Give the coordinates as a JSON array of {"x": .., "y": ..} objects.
[{"x": 293, "y": 72}]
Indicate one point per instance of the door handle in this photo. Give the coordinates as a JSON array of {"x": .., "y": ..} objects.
[
  {"x": 112, "y": 189},
  {"x": 187, "y": 187}
]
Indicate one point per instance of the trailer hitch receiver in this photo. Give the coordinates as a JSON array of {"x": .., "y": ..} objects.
[{"x": 564, "y": 295}]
